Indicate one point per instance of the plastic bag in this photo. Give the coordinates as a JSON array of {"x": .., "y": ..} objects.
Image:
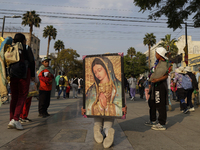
[{"x": 32, "y": 90}]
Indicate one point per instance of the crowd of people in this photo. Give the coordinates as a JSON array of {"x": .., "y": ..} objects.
[
  {"x": 162, "y": 86},
  {"x": 63, "y": 84},
  {"x": 159, "y": 87}
]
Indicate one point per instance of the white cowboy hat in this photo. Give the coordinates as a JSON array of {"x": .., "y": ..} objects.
[
  {"x": 180, "y": 70},
  {"x": 161, "y": 51},
  {"x": 187, "y": 69}
]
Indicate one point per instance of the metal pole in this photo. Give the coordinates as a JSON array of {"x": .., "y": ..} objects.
[
  {"x": 3, "y": 26},
  {"x": 186, "y": 45}
]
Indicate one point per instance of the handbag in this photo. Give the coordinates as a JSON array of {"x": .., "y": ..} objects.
[{"x": 12, "y": 53}]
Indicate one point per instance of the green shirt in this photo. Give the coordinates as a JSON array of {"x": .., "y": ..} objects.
[{"x": 57, "y": 79}]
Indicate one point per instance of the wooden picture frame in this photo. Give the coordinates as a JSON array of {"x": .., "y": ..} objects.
[{"x": 103, "y": 86}]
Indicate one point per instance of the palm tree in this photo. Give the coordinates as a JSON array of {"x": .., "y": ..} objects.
[
  {"x": 51, "y": 33},
  {"x": 32, "y": 19},
  {"x": 131, "y": 52},
  {"x": 149, "y": 40},
  {"x": 59, "y": 45},
  {"x": 169, "y": 45}
]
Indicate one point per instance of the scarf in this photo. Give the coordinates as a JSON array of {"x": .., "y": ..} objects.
[{"x": 42, "y": 67}]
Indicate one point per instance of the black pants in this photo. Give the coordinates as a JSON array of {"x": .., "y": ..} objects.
[
  {"x": 141, "y": 90},
  {"x": 189, "y": 98},
  {"x": 44, "y": 101},
  {"x": 182, "y": 94},
  {"x": 67, "y": 95},
  {"x": 158, "y": 103}
]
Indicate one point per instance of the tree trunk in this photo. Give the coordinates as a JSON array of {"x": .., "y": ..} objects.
[
  {"x": 149, "y": 56},
  {"x": 30, "y": 35},
  {"x": 49, "y": 39}
]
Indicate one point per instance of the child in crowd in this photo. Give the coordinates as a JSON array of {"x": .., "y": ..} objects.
[
  {"x": 67, "y": 91},
  {"x": 173, "y": 89},
  {"x": 158, "y": 95},
  {"x": 46, "y": 77},
  {"x": 146, "y": 89}
]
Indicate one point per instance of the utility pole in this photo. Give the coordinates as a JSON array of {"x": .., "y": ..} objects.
[
  {"x": 4, "y": 22},
  {"x": 186, "y": 46},
  {"x": 3, "y": 26}
]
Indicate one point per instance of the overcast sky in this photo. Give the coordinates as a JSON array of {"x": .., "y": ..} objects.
[{"x": 95, "y": 36}]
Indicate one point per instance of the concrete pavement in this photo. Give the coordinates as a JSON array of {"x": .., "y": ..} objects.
[{"x": 67, "y": 129}]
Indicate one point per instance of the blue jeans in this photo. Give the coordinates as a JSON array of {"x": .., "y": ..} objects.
[{"x": 62, "y": 88}]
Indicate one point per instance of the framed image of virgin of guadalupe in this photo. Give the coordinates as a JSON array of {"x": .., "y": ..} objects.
[{"x": 103, "y": 90}]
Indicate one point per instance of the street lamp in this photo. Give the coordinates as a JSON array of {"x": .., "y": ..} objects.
[{"x": 4, "y": 21}]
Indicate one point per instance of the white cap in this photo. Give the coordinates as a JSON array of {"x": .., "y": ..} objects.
[
  {"x": 161, "y": 51},
  {"x": 45, "y": 58}
]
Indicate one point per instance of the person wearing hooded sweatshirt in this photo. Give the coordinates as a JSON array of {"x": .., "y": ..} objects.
[
  {"x": 182, "y": 93},
  {"x": 45, "y": 74},
  {"x": 194, "y": 87}
]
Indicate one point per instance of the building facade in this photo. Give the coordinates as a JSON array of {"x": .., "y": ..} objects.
[
  {"x": 193, "y": 52},
  {"x": 35, "y": 44}
]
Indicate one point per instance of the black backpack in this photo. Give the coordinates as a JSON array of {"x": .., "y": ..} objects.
[
  {"x": 61, "y": 81},
  {"x": 19, "y": 69},
  {"x": 81, "y": 82},
  {"x": 75, "y": 81}
]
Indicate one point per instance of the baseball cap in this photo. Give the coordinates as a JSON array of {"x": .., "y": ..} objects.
[{"x": 45, "y": 58}]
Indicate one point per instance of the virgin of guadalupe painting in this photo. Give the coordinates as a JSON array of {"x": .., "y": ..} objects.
[{"x": 103, "y": 86}]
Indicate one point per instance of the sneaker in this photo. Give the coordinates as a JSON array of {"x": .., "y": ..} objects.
[
  {"x": 18, "y": 125},
  {"x": 158, "y": 127},
  {"x": 58, "y": 97},
  {"x": 28, "y": 120},
  {"x": 47, "y": 114},
  {"x": 22, "y": 120},
  {"x": 40, "y": 115},
  {"x": 191, "y": 109},
  {"x": 132, "y": 98},
  {"x": 150, "y": 123},
  {"x": 44, "y": 116},
  {"x": 186, "y": 111},
  {"x": 11, "y": 124}
]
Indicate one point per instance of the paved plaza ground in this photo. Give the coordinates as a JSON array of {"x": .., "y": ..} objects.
[{"x": 66, "y": 129}]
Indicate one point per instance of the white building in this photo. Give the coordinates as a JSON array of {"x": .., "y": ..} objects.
[{"x": 193, "y": 52}]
